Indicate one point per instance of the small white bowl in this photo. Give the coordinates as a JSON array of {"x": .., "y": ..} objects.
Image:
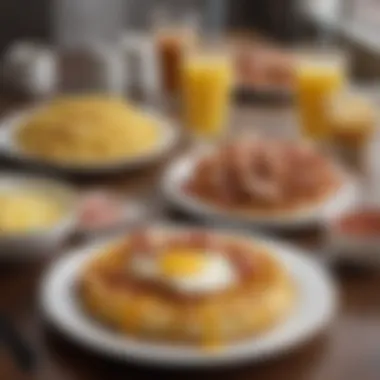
[
  {"x": 349, "y": 248},
  {"x": 40, "y": 242}
]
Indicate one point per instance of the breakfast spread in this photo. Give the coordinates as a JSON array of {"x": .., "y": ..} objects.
[{"x": 191, "y": 286}]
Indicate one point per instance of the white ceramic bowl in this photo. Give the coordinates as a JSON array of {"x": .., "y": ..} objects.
[
  {"x": 29, "y": 244},
  {"x": 342, "y": 247}
]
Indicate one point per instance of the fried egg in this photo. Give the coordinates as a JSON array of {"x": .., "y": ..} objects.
[{"x": 186, "y": 271}]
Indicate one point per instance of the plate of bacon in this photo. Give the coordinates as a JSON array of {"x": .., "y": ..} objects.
[{"x": 260, "y": 181}]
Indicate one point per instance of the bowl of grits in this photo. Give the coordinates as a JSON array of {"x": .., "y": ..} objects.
[{"x": 36, "y": 215}]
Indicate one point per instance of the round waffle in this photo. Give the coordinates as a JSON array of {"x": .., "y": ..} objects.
[{"x": 261, "y": 298}]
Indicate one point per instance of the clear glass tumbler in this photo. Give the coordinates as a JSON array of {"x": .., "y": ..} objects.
[
  {"x": 176, "y": 32},
  {"x": 318, "y": 75},
  {"x": 207, "y": 80}
]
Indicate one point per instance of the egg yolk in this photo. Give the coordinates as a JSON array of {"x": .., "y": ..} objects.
[{"x": 181, "y": 262}]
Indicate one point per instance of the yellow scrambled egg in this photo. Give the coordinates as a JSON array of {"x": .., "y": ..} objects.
[{"x": 88, "y": 129}]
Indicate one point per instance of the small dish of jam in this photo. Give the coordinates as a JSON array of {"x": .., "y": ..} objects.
[{"x": 355, "y": 236}]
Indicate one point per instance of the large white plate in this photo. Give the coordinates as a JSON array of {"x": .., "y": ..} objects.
[
  {"x": 10, "y": 148},
  {"x": 180, "y": 171},
  {"x": 314, "y": 309}
]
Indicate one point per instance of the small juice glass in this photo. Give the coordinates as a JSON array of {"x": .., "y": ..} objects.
[
  {"x": 350, "y": 117},
  {"x": 318, "y": 76},
  {"x": 206, "y": 92},
  {"x": 350, "y": 120}
]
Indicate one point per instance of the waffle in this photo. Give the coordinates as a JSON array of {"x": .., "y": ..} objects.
[{"x": 262, "y": 297}]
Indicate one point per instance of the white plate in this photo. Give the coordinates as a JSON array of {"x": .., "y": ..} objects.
[
  {"x": 9, "y": 147},
  {"x": 314, "y": 309},
  {"x": 180, "y": 171}
]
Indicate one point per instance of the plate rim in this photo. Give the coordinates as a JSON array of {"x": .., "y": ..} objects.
[{"x": 143, "y": 356}]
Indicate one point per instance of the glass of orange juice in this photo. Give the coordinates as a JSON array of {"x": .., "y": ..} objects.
[
  {"x": 318, "y": 76},
  {"x": 351, "y": 119},
  {"x": 206, "y": 92}
]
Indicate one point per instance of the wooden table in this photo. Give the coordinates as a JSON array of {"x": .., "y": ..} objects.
[{"x": 349, "y": 350}]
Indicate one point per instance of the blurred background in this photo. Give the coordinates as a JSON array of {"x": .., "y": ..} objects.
[{"x": 54, "y": 21}]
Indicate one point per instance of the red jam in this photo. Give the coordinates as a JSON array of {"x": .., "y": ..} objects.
[{"x": 364, "y": 223}]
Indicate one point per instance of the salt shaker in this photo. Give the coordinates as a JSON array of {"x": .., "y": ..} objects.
[
  {"x": 86, "y": 32},
  {"x": 31, "y": 69},
  {"x": 141, "y": 65},
  {"x": 110, "y": 70}
]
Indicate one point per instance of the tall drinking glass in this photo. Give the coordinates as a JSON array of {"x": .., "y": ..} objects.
[
  {"x": 351, "y": 121},
  {"x": 318, "y": 76},
  {"x": 206, "y": 91},
  {"x": 175, "y": 33}
]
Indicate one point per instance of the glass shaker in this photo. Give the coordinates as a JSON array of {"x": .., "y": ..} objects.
[
  {"x": 86, "y": 34},
  {"x": 175, "y": 32}
]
